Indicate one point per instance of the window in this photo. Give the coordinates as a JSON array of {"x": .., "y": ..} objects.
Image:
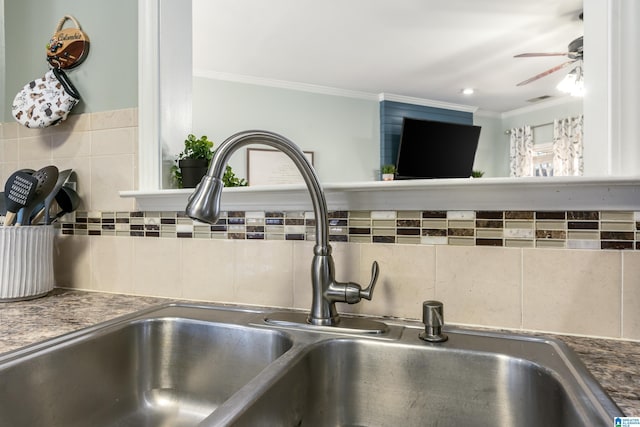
[{"x": 543, "y": 159}]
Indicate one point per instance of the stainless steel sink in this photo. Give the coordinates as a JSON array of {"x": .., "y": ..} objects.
[
  {"x": 469, "y": 381},
  {"x": 184, "y": 365},
  {"x": 145, "y": 371}
]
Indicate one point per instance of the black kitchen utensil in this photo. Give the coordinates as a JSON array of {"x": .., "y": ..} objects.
[
  {"x": 43, "y": 209},
  {"x": 68, "y": 200},
  {"x": 19, "y": 191},
  {"x": 47, "y": 178}
]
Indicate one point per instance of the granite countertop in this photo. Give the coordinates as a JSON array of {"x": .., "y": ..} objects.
[{"x": 614, "y": 363}]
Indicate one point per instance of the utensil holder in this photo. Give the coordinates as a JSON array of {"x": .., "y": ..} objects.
[{"x": 26, "y": 262}]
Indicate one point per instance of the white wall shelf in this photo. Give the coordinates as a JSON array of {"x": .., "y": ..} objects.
[{"x": 559, "y": 193}]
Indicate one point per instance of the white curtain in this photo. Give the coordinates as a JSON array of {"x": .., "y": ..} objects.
[
  {"x": 521, "y": 151},
  {"x": 568, "y": 146}
]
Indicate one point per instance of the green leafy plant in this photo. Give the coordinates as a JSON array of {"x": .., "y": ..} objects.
[
  {"x": 477, "y": 174},
  {"x": 388, "y": 169},
  {"x": 229, "y": 179},
  {"x": 202, "y": 148},
  {"x": 194, "y": 148}
]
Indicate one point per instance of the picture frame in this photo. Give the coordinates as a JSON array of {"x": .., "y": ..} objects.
[{"x": 273, "y": 167}]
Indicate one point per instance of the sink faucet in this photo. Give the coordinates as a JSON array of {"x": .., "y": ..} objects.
[{"x": 204, "y": 205}]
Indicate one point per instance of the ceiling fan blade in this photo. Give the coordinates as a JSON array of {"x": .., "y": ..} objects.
[
  {"x": 529, "y": 55},
  {"x": 546, "y": 73}
]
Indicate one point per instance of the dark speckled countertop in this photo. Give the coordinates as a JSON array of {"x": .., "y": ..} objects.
[{"x": 614, "y": 363}]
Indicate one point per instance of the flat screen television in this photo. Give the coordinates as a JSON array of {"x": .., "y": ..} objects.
[{"x": 430, "y": 149}]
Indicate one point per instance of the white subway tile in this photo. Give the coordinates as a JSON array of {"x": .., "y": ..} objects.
[
  {"x": 383, "y": 214},
  {"x": 467, "y": 215}
]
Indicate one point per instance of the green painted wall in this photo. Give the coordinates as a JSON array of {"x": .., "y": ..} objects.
[
  {"x": 343, "y": 132},
  {"x": 107, "y": 80}
]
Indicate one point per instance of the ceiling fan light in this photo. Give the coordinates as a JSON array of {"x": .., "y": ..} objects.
[
  {"x": 566, "y": 84},
  {"x": 572, "y": 83},
  {"x": 578, "y": 88},
  {"x": 467, "y": 91}
]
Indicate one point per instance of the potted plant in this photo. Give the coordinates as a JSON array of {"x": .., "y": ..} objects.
[
  {"x": 388, "y": 172},
  {"x": 192, "y": 164}
]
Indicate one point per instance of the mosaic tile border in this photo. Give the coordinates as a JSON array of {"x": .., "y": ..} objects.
[{"x": 527, "y": 229}]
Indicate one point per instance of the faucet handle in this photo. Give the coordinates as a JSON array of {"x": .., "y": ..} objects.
[
  {"x": 352, "y": 292},
  {"x": 368, "y": 292}
]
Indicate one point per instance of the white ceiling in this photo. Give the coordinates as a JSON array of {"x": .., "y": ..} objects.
[{"x": 421, "y": 48}]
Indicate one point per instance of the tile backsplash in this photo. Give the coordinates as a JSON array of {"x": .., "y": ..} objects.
[
  {"x": 520, "y": 229},
  {"x": 572, "y": 291},
  {"x": 568, "y": 272}
]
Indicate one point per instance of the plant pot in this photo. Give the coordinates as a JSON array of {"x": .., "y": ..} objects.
[
  {"x": 387, "y": 176},
  {"x": 192, "y": 171}
]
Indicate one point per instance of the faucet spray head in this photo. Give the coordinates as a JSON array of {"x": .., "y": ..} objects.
[{"x": 204, "y": 203}]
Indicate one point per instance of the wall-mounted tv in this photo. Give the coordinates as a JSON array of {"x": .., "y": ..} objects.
[{"x": 430, "y": 149}]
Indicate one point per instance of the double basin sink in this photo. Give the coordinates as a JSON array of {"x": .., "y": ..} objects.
[{"x": 189, "y": 365}]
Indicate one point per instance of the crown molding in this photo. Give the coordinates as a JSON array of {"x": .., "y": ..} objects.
[
  {"x": 540, "y": 106},
  {"x": 283, "y": 84},
  {"x": 488, "y": 114},
  {"x": 427, "y": 102},
  {"x": 327, "y": 90}
]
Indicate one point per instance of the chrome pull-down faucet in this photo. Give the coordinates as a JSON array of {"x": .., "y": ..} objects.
[{"x": 204, "y": 205}]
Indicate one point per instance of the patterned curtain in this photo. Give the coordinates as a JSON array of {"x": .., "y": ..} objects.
[
  {"x": 521, "y": 151},
  {"x": 568, "y": 146}
]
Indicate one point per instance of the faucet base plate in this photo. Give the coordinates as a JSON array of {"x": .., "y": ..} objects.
[
  {"x": 433, "y": 338},
  {"x": 348, "y": 325}
]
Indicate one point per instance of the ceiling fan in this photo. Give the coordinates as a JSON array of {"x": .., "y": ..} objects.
[{"x": 575, "y": 53}]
